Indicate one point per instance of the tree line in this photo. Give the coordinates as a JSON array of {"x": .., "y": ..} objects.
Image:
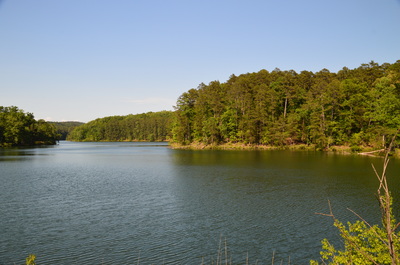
[
  {"x": 63, "y": 128},
  {"x": 20, "y": 128},
  {"x": 354, "y": 107},
  {"x": 151, "y": 126}
]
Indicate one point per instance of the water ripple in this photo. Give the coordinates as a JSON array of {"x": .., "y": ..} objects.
[{"x": 89, "y": 203}]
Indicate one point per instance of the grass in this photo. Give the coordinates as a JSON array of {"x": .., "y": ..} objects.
[{"x": 242, "y": 146}]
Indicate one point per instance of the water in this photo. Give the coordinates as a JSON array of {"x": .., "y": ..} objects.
[{"x": 130, "y": 203}]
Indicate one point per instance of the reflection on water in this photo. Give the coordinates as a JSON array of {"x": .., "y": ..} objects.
[{"x": 115, "y": 203}]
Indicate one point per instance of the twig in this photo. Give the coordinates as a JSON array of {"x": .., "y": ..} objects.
[
  {"x": 335, "y": 221},
  {"x": 362, "y": 219},
  {"x": 397, "y": 226},
  {"x": 371, "y": 152},
  {"x": 219, "y": 249},
  {"x": 385, "y": 204},
  {"x": 226, "y": 253}
]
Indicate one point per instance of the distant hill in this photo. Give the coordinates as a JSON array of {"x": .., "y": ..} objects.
[
  {"x": 65, "y": 127},
  {"x": 150, "y": 126}
]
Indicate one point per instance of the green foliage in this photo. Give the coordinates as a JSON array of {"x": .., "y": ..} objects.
[
  {"x": 363, "y": 245},
  {"x": 20, "y": 128},
  {"x": 351, "y": 107},
  {"x": 151, "y": 126},
  {"x": 65, "y": 127},
  {"x": 30, "y": 260}
]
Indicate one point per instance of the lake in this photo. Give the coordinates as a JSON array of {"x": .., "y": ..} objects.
[{"x": 144, "y": 203}]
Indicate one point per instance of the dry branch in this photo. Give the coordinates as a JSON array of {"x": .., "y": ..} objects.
[{"x": 372, "y": 152}]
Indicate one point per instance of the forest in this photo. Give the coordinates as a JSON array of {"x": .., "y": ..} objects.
[
  {"x": 353, "y": 107},
  {"x": 357, "y": 108},
  {"x": 19, "y": 128},
  {"x": 63, "y": 128},
  {"x": 151, "y": 126}
]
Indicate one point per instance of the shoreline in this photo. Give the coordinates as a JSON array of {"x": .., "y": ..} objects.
[
  {"x": 242, "y": 146},
  {"x": 340, "y": 149}
]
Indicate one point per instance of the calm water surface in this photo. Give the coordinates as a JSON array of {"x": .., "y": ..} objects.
[{"x": 124, "y": 203}]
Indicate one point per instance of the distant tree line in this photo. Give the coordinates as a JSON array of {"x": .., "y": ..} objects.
[
  {"x": 65, "y": 127},
  {"x": 20, "y": 128},
  {"x": 351, "y": 107},
  {"x": 151, "y": 126}
]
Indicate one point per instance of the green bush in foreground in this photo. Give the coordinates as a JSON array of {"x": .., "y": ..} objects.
[{"x": 363, "y": 244}]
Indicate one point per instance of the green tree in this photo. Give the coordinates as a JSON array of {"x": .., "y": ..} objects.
[
  {"x": 20, "y": 128},
  {"x": 45, "y": 132},
  {"x": 351, "y": 107},
  {"x": 65, "y": 127},
  {"x": 151, "y": 126},
  {"x": 184, "y": 116}
]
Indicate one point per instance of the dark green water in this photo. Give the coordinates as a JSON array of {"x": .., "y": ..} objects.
[{"x": 120, "y": 203}]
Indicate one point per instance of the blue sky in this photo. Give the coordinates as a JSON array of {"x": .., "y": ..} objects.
[{"x": 82, "y": 60}]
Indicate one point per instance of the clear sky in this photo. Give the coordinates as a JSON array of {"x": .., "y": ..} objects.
[{"x": 86, "y": 59}]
